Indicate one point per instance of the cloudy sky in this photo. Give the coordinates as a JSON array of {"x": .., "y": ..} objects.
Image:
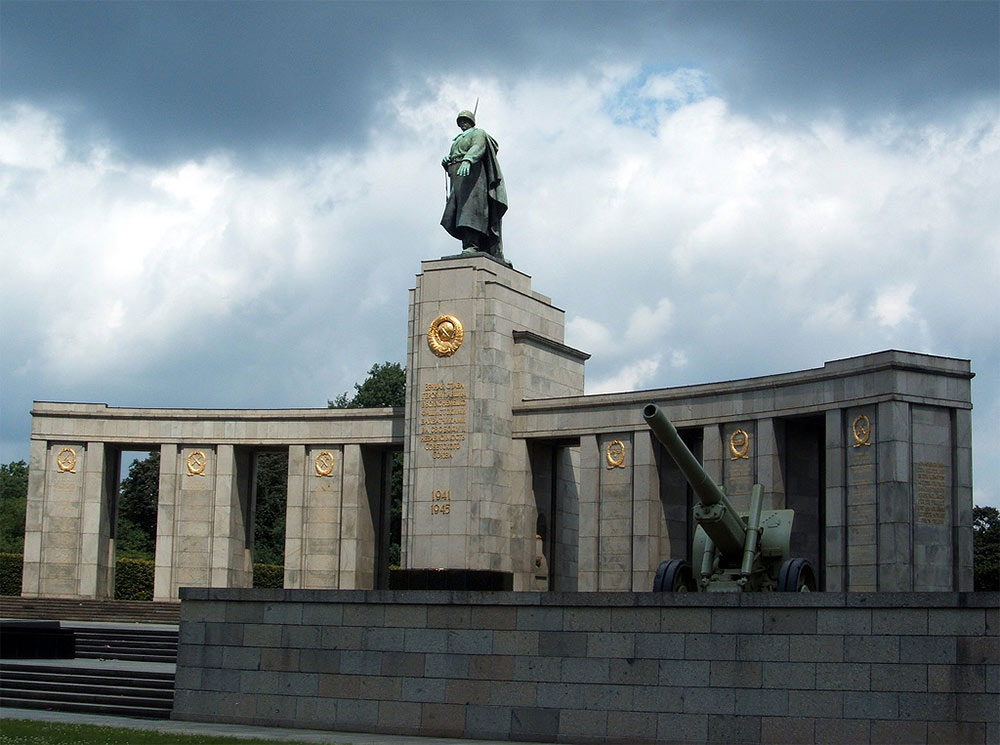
[{"x": 224, "y": 204}]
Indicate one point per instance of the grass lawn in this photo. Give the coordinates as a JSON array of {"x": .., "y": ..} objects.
[{"x": 25, "y": 732}]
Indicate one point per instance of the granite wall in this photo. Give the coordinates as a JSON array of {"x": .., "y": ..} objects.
[{"x": 597, "y": 667}]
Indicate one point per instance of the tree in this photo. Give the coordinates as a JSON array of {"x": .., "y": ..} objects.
[
  {"x": 384, "y": 386},
  {"x": 986, "y": 548},
  {"x": 135, "y": 537},
  {"x": 269, "y": 509},
  {"x": 13, "y": 504}
]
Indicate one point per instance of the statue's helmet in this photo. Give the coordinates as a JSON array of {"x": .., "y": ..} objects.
[{"x": 466, "y": 115}]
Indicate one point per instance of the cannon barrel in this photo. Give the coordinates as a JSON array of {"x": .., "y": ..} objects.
[
  {"x": 714, "y": 513},
  {"x": 707, "y": 490}
]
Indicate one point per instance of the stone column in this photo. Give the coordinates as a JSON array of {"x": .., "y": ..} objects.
[
  {"x": 164, "y": 585},
  {"x": 861, "y": 505},
  {"x": 614, "y": 545},
  {"x": 590, "y": 522},
  {"x": 770, "y": 473},
  {"x": 31, "y": 574},
  {"x": 231, "y": 565},
  {"x": 834, "y": 534},
  {"x": 97, "y": 561},
  {"x": 648, "y": 521},
  {"x": 295, "y": 505},
  {"x": 895, "y": 499},
  {"x": 357, "y": 530},
  {"x": 962, "y": 505}
]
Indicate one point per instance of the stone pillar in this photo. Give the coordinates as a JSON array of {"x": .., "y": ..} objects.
[
  {"x": 614, "y": 558},
  {"x": 97, "y": 560},
  {"x": 470, "y": 320},
  {"x": 770, "y": 436},
  {"x": 835, "y": 532},
  {"x": 962, "y": 492},
  {"x": 31, "y": 574},
  {"x": 861, "y": 502},
  {"x": 648, "y": 521},
  {"x": 231, "y": 562},
  {"x": 894, "y": 496},
  {"x": 738, "y": 453},
  {"x": 937, "y": 508},
  {"x": 67, "y": 527},
  {"x": 590, "y": 517},
  {"x": 295, "y": 505},
  {"x": 357, "y": 529},
  {"x": 167, "y": 509}
]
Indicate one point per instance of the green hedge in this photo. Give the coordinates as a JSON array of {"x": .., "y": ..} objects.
[
  {"x": 10, "y": 574},
  {"x": 268, "y": 575},
  {"x": 134, "y": 579}
]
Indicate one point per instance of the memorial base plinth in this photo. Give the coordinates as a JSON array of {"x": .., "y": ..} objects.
[{"x": 484, "y": 580}]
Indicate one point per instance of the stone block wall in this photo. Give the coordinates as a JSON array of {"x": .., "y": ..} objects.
[{"x": 597, "y": 667}]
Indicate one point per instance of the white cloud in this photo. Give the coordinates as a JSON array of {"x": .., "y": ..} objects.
[
  {"x": 892, "y": 305},
  {"x": 705, "y": 247},
  {"x": 631, "y": 377}
]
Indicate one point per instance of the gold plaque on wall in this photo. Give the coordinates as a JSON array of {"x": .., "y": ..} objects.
[
  {"x": 196, "y": 462},
  {"x": 615, "y": 453},
  {"x": 739, "y": 445},
  {"x": 861, "y": 429},
  {"x": 66, "y": 460},
  {"x": 324, "y": 464},
  {"x": 445, "y": 335}
]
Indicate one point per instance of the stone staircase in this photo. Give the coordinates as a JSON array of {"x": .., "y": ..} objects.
[
  {"x": 125, "y": 658},
  {"x": 72, "y": 609},
  {"x": 135, "y": 644},
  {"x": 128, "y": 693}
]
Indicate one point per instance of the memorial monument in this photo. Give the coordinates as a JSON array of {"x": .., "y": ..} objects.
[{"x": 513, "y": 478}]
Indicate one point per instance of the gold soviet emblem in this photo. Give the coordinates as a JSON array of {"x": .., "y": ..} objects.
[
  {"x": 66, "y": 460},
  {"x": 324, "y": 464},
  {"x": 445, "y": 335},
  {"x": 615, "y": 453},
  {"x": 196, "y": 462},
  {"x": 739, "y": 445},
  {"x": 861, "y": 428}
]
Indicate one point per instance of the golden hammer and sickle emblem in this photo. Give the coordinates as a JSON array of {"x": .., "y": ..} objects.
[
  {"x": 445, "y": 335},
  {"x": 861, "y": 428},
  {"x": 739, "y": 445},
  {"x": 196, "y": 462},
  {"x": 66, "y": 460},
  {"x": 324, "y": 464},
  {"x": 615, "y": 453}
]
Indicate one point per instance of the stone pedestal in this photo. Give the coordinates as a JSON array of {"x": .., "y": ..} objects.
[{"x": 480, "y": 340}]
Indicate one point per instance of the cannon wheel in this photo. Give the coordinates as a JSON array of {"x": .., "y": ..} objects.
[
  {"x": 796, "y": 575},
  {"x": 674, "y": 575}
]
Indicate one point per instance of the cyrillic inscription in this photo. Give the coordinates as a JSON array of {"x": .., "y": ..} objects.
[
  {"x": 442, "y": 418},
  {"x": 932, "y": 492}
]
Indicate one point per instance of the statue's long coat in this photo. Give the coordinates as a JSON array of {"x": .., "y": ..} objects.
[{"x": 477, "y": 201}]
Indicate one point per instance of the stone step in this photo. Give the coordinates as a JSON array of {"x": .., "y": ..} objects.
[{"x": 75, "y": 609}]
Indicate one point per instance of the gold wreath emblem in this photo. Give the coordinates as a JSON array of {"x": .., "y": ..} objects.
[
  {"x": 445, "y": 335},
  {"x": 324, "y": 464},
  {"x": 66, "y": 460},
  {"x": 196, "y": 462},
  {"x": 615, "y": 453},
  {"x": 861, "y": 428},
  {"x": 739, "y": 445}
]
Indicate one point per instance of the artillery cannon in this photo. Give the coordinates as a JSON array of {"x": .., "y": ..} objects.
[{"x": 733, "y": 552}]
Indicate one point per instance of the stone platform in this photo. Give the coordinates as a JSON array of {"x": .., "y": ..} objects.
[{"x": 597, "y": 667}]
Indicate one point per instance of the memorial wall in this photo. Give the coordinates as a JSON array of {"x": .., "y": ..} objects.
[{"x": 509, "y": 468}]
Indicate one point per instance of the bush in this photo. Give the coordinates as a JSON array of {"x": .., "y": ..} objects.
[
  {"x": 10, "y": 574},
  {"x": 269, "y": 576},
  {"x": 134, "y": 579}
]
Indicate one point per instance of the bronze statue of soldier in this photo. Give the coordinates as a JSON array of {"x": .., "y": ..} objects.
[{"x": 477, "y": 197}]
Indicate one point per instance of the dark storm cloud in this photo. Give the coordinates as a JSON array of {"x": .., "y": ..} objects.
[{"x": 169, "y": 79}]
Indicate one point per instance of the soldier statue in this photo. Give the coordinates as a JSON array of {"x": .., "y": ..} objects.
[{"x": 477, "y": 197}]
